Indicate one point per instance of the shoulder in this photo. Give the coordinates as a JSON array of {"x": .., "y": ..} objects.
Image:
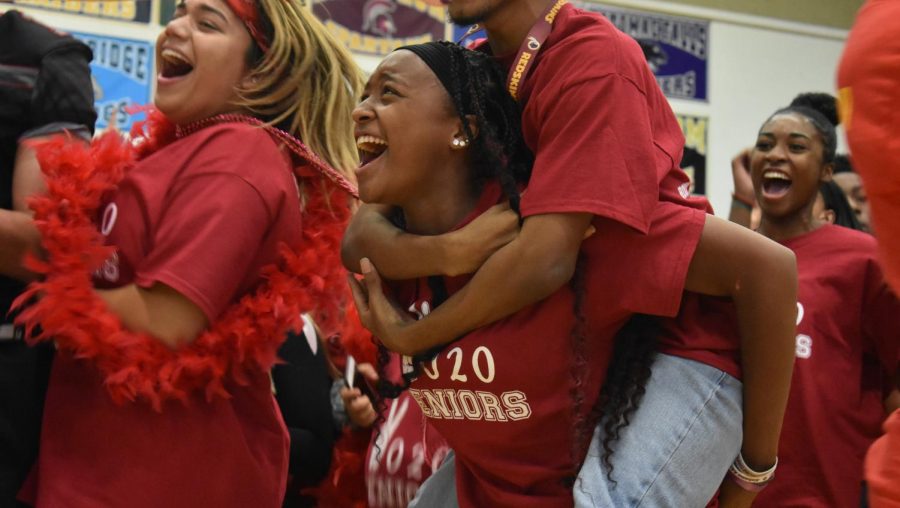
[
  {"x": 587, "y": 45},
  {"x": 234, "y": 151}
]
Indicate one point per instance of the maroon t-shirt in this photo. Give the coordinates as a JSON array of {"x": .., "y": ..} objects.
[
  {"x": 500, "y": 395},
  {"x": 202, "y": 215},
  {"x": 848, "y": 338}
]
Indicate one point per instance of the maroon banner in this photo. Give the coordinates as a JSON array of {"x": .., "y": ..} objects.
[{"x": 378, "y": 27}]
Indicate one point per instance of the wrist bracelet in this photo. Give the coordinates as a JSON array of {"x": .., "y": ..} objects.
[
  {"x": 748, "y": 478},
  {"x": 744, "y": 484},
  {"x": 742, "y": 202}
]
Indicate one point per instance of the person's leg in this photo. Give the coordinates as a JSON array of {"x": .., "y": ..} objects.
[
  {"x": 677, "y": 449},
  {"x": 439, "y": 490}
]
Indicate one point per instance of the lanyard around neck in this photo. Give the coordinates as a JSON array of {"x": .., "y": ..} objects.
[{"x": 529, "y": 48}]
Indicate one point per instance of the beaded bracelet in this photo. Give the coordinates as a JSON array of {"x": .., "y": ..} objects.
[{"x": 743, "y": 202}]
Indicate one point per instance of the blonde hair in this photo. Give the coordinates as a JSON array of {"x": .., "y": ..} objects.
[{"x": 307, "y": 83}]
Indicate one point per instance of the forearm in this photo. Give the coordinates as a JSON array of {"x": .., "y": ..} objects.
[
  {"x": 159, "y": 311},
  {"x": 397, "y": 254},
  {"x": 766, "y": 310},
  {"x": 740, "y": 213},
  {"x": 18, "y": 236},
  {"x": 525, "y": 271}
]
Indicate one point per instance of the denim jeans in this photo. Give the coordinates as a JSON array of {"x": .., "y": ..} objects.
[
  {"x": 439, "y": 490},
  {"x": 678, "y": 446}
]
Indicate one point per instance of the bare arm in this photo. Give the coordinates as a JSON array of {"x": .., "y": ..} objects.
[
  {"x": 741, "y": 212},
  {"x": 761, "y": 278},
  {"x": 18, "y": 234},
  {"x": 528, "y": 269},
  {"x": 159, "y": 311},
  {"x": 400, "y": 255}
]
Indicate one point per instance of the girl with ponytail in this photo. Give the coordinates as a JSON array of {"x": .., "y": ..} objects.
[{"x": 178, "y": 261}]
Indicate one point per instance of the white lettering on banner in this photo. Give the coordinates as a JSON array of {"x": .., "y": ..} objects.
[
  {"x": 445, "y": 404},
  {"x": 395, "y": 415},
  {"x": 456, "y": 376}
]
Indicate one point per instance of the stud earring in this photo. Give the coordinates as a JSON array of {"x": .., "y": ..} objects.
[{"x": 460, "y": 143}]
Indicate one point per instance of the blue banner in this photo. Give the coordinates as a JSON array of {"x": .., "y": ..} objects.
[
  {"x": 121, "y": 72},
  {"x": 676, "y": 48}
]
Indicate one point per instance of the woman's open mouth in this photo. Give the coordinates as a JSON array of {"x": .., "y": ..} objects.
[
  {"x": 173, "y": 65},
  {"x": 370, "y": 148},
  {"x": 775, "y": 184}
]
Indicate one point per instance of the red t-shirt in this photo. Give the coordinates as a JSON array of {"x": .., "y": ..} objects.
[
  {"x": 848, "y": 338},
  {"x": 869, "y": 83},
  {"x": 404, "y": 451},
  {"x": 500, "y": 396},
  {"x": 202, "y": 215},
  {"x": 607, "y": 143}
]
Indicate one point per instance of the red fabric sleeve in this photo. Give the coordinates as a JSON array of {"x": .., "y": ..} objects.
[
  {"x": 869, "y": 82},
  {"x": 594, "y": 152},
  {"x": 644, "y": 273},
  {"x": 881, "y": 320},
  {"x": 206, "y": 240}
]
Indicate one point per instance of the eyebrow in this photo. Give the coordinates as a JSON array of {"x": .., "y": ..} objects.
[
  {"x": 204, "y": 7},
  {"x": 793, "y": 135}
]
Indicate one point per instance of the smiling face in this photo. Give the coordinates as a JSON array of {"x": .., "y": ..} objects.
[
  {"x": 201, "y": 60},
  {"x": 787, "y": 166},
  {"x": 405, "y": 127}
]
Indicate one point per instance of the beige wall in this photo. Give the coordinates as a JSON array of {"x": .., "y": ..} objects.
[{"x": 832, "y": 13}]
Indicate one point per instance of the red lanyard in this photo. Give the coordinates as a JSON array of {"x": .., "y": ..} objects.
[{"x": 529, "y": 48}]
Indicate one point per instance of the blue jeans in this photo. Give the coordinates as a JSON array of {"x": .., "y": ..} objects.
[
  {"x": 677, "y": 449},
  {"x": 439, "y": 490}
]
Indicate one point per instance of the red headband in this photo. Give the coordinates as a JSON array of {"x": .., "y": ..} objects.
[{"x": 248, "y": 11}]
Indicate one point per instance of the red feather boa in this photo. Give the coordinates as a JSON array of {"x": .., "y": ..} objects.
[{"x": 244, "y": 341}]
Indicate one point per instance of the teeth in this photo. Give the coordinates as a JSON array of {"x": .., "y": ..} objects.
[
  {"x": 363, "y": 141},
  {"x": 173, "y": 57},
  {"x": 776, "y": 175}
]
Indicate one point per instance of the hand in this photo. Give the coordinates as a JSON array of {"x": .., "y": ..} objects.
[
  {"x": 731, "y": 495},
  {"x": 473, "y": 244},
  {"x": 358, "y": 407},
  {"x": 376, "y": 312},
  {"x": 740, "y": 172}
]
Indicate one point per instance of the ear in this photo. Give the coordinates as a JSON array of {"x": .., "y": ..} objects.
[
  {"x": 828, "y": 216},
  {"x": 827, "y": 172},
  {"x": 461, "y": 131}
]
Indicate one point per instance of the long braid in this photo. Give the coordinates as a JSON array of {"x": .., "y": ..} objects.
[{"x": 626, "y": 380}]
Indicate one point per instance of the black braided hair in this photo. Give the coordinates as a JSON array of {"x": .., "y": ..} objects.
[{"x": 626, "y": 381}]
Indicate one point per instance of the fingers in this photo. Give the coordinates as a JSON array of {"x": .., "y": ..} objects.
[
  {"x": 360, "y": 297},
  {"x": 361, "y": 411},
  {"x": 589, "y": 232},
  {"x": 349, "y": 394},
  {"x": 368, "y": 370}
]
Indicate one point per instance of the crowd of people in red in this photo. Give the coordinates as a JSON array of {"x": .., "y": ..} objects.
[{"x": 476, "y": 278}]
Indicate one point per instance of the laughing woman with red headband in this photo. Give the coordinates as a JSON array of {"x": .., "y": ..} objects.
[{"x": 214, "y": 230}]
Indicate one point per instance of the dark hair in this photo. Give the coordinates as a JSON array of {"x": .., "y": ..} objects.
[
  {"x": 842, "y": 164},
  {"x": 836, "y": 201},
  {"x": 821, "y": 111}
]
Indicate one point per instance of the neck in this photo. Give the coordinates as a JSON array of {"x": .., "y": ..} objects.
[
  {"x": 443, "y": 205},
  {"x": 781, "y": 229},
  {"x": 509, "y": 24}
]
